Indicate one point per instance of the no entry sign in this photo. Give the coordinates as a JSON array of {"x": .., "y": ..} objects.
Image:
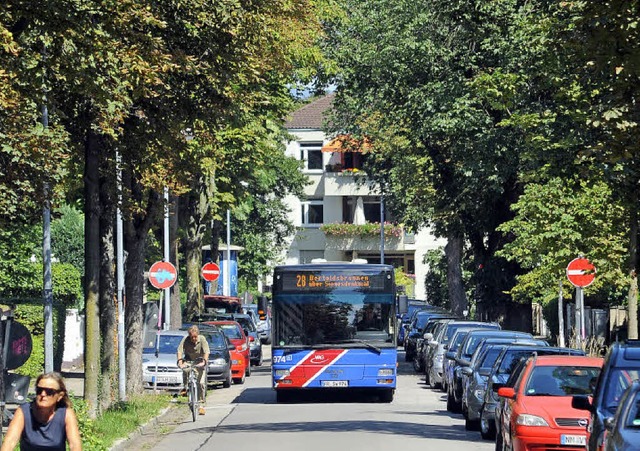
[
  {"x": 162, "y": 275},
  {"x": 580, "y": 272},
  {"x": 210, "y": 272}
]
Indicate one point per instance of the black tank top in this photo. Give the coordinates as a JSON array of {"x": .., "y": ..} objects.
[{"x": 41, "y": 437}]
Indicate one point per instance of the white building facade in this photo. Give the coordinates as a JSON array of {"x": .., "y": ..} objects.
[{"x": 340, "y": 193}]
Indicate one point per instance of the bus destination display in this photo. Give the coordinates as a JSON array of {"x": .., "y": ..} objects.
[{"x": 328, "y": 281}]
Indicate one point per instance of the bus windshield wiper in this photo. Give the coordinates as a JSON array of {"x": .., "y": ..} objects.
[{"x": 357, "y": 341}]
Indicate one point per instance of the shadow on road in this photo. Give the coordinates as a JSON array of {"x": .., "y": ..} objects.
[{"x": 417, "y": 430}]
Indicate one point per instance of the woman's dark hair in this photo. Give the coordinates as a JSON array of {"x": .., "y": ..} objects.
[{"x": 64, "y": 401}]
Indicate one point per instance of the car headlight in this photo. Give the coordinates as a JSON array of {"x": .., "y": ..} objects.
[
  {"x": 236, "y": 362},
  {"x": 243, "y": 347},
  {"x": 479, "y": 394},
  {"x": 219, "y": 361},
  {"x": 525, "y": 419}
]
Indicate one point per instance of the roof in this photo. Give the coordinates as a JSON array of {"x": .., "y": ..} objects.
[
  {"x": 565, "y": 360},
  {"x": 312, "y": 115}
]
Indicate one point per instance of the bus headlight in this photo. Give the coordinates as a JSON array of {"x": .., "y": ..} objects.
[
  {"x": 282, "y": 373},
  {"x": 385, "y": 372}
]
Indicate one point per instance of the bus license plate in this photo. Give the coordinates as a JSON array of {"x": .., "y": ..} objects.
[
  {"x": 335, "y": 383},
  {"x": 580, "y": 440}
]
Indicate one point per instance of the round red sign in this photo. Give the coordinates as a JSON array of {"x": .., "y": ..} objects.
[
  {"x": 210, "y": 272},
  {"x": 162, "y": 275},
  {"x": 580, "y": 272}
]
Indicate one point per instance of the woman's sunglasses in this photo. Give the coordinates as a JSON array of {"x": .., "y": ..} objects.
[{"x": 48, "y": 391}]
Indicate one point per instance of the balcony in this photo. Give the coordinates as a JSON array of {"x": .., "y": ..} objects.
[
  {"x": 348, "y": 183},
  {"x": 366, "y": 237}
]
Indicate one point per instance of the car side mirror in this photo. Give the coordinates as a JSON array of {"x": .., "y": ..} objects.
[
  {"x": 507, "y": 392},
  {"x": 428, "y": 336},
  {"x": 609, "y": 423},
  {"x": 581, "y": 402},
  {"x": 231, "y": 347},
  {"x": 467, "y": 371},
  {"x": 450, "y": 355}
]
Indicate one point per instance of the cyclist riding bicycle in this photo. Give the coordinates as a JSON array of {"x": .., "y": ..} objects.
[{"x": 194, "y": 348}]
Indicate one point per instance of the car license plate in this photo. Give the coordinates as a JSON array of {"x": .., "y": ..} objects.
[
  {"x": 164, "y": 379},
  {"x": 580, "y": 440},
  {"x": 335, "y": 383}
]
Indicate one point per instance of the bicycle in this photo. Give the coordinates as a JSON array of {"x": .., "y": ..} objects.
[{"x": 192, "y": 389}]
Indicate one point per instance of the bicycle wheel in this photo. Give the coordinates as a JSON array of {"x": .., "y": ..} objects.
[{"x": 193, "y": 397}]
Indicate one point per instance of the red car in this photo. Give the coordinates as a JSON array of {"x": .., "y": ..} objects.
[
  {"x": 233, "y": 331},
  {"x": 538, "y": 413},
  {"x": 238, "y": 367}
]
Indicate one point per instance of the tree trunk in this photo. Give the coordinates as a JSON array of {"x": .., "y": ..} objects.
[
  {"x": 92, "y": 272},
  {"x": 136, "y": 228},
  {"x": 633, "y": 289},
  {"x": 197, "y": 212},
  {"x": 108, "y": 325},
  {"x": 453, "y": 252},
  {"x": 176, "y": 305}
]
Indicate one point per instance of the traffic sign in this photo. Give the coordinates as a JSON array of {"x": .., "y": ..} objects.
[
  {"x": 162, "y": 275},
  {"x": 580, "y": 272},
  {"x": 210, "y": 272}
]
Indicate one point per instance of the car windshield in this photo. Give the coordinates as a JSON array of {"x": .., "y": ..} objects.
[
  {"x": 633, "y": 419},
  {"x": 216, "y": 340},
  {"x": 168, "y": 344},
  {"x": 619, "y": 380},
  {"x": 246, "y": 324},
  {"x": 511, "y": 359},
  {"x": 562, "y": 380},
  {"x": 231, "y": 330}
]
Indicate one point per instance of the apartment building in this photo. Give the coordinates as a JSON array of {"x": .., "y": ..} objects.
[{"x": 336, "y": 221}]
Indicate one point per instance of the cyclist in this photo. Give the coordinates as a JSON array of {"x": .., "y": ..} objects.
[{"x": 194, "y": 348}]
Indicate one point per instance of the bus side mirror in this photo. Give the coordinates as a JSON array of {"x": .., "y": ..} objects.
[{"x": 403, "y": 304}]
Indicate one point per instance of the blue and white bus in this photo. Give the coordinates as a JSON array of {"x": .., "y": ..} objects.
[{"x": 334, "y": 327}]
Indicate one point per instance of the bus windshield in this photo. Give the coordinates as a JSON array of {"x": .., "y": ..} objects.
[{"x": 331, "y": 311}]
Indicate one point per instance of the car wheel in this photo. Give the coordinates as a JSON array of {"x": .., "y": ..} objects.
[
  {"x": 471, "y": 425},
  {"x": 240, "y": 380},
  {"x": 247, "y": 372},
  {"x": 451, "y": 405},
  {"x": 227, "y": 382},
  {"x": 260, "y": 361},
  {"x": 487, "y": 429},
  {"x": 417, "y": 367},
  {"x": 427, "y": 378},
  {"x": 498, "y": 441}
]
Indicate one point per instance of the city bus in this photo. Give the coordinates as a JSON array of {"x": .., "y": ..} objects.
[{"x": 334, "y": 327}]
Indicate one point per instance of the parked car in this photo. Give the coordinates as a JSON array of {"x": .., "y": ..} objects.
[
  {"x": 623, "y": 430},
  {"x": 621, "y": 368},
  {"x": 251, "y": 331},
  {"x": 415, "y": 331},
  {"x": 475, "y": 376},
  {"x": 538, "y": 412},
  {"x": 504, "y": 373},
  {"x": 434, "y": 366},
  {"x": 413, "y": 305},
  {"x": 462, "y": 358},
  {"x": 233, "y": 330},
  {"x": 263, "y": 325},
  {"x": 164, "y": 369}
]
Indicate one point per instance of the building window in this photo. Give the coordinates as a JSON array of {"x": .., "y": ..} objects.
[
  {"x": 311, "y": 154},
  {"x": 312, "y": 213}
]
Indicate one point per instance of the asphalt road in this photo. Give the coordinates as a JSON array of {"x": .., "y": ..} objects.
[{"x": 244, "y": 418}]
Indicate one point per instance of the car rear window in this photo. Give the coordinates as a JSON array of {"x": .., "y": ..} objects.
[
  {"x": 633, "y": 419},
  {"x": 216, "y": 340},
  {"x": 562, "y": 380},
  {"x": 230, "y": 330}
]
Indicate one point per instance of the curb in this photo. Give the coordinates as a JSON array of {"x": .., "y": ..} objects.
[{"x": 120, "y": 444}]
